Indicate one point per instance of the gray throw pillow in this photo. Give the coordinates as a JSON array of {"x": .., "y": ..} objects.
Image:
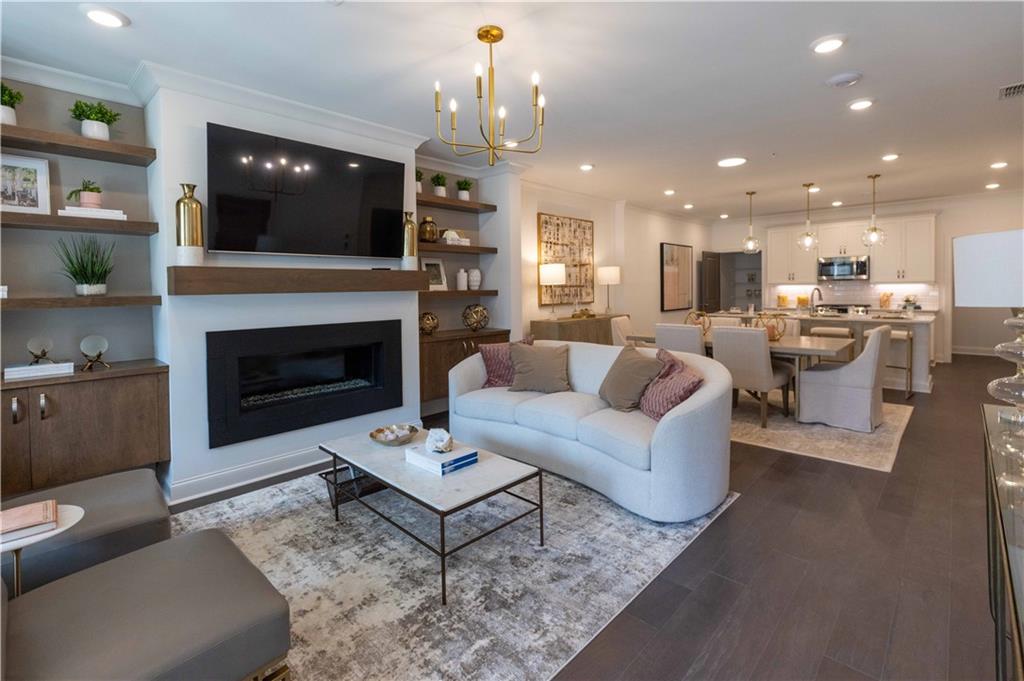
[
  {"x": 542, "y": 368},
  {"x": 628, "y": 377}
]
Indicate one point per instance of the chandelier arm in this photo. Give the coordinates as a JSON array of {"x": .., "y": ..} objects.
[
  {"x": 480, "y": 117},
  {"x": 540, "y": 143},
  {"x": 477, "y": 150},
  {"x": 533, "y": 133}
]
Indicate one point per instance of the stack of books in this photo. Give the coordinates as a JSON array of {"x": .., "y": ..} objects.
[
  {"x": 104, "y": 213},
  {"x": 441, "y": 463},
  {"x": 24, "y": 521},
  {"x": 19, "y": 372}
]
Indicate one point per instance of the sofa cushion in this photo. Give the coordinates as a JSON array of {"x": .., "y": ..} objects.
[
  {"x": 192, "y": 607},
  {"x": 627, "y": 379},
  {"x": 674, "y": 384},
  {"x": 624, "y": 436},
  {"x": 542, "y": 368},
  {"x": 492, "y": 404},
  {"x": 498, "y": 363},
  {"x": 558, "y": 413}
]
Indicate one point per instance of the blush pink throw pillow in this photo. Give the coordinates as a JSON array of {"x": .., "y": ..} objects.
[
  {"x": 674, "y": 384},
  {"x": 498, "y": 363}
]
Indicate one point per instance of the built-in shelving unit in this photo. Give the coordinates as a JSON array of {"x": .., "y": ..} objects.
[
  {"x": 65, "y": 223},
  {"x": 134, "y": 367},
  {"x": 431, "y": 247},
  {"x": 63, "y": 302},
  {"x": 211, "y": 281},
  {"x": 430, "y": 201},
  {"x": 441, "y": 295},
  {"x": 66, "y": 144}
]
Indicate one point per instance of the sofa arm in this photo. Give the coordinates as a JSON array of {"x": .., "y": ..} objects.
[{"x": 466, "y": 376}]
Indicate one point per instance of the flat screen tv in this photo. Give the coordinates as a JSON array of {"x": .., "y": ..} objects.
[{"x": 273, "y": 195}]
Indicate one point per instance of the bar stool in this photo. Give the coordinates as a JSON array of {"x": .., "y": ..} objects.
[
  {"x": 834, "y": 332},
  {"x": 908, "y": 338}
]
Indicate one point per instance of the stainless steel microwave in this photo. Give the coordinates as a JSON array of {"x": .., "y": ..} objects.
[{"x": 846, "y": 267}]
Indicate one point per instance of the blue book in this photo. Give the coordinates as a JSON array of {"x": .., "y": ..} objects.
[{"x": 439, "y": 463}]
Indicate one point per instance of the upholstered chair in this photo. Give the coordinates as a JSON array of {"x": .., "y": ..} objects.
[
  {"x": 847, "y": 395},
  {"x": 744, "y": 352},
  {"x": 680, "y": 338},
  {"x": 622, "y": 329},
  {"x": 725, "y": 321}
]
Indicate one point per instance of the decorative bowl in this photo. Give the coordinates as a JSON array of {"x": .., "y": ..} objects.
[{"x": 378, "y": 435}]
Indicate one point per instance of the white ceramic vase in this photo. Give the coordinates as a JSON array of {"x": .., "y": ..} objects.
[
  {"x": 462, "y": 280},
  {"x": 441, "y": 191},
  {"x": 8, "y": 116},
  {"x": 419, "y": 187},
  {"x": 95, "y": 130},
  {"x": 190, "y": 256},
  {"x": 90, "y": 200},
  {"x": 476, "y": 278},
  {"x": 463, "y": 195},
  {"x": 90, "y": 289},
  {"x": 410, "y": 262}
]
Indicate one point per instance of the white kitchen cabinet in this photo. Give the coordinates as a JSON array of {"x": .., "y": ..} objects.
[
  {"x": 786, "y": 262},
  {"x": 839, "y": 239},
  {"x": 908, "y": 253}
]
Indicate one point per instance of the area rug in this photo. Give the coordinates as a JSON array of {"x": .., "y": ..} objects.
[
  {"x": 365, "y": 599},
  {"x": 875, "y": 450}
]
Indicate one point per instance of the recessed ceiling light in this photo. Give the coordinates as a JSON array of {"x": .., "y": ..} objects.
[
  {"x": 670, "y": 192},
  {"x": 992, "y": 185},
  {"x": 998, "y": 165},
  {"x": 731, "y": 162},
  {"x": 828, "y": 43},
  {"x": 104, "y": 16},
  {"x": 724, "y": 216},
  {"x": 890, "y": 157},
  {"x": 861, "y": 104},
  {"x": 688, "y": 206},
  {"x": 814, "y": 190},
  {"x": 353, "y": 164},
  {"x": 586, "y": 167},
  {"x": 845, "y": 79},
  {"x": 836, "y": 204}
]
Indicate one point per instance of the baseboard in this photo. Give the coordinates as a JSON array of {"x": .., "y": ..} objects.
[{"x": 982, "y": 351}]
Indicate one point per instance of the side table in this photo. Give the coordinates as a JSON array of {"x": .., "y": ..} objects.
[{"x": 67, "y": 516}]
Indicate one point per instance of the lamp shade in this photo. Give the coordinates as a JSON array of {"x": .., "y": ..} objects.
[
  {"x": 610, "y": 275},
  {"x": 552, "y": 274},
  {"x": 988, "y": 269}
]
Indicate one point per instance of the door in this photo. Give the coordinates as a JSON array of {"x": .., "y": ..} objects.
[
  {"x": 804, "y": 264},
  {"x": 919, "y": 249},
  {"x": 711, "y": 282},
  {"x": 831, "y": 241},
  {"x": 81, "y": 430},
  {"x": 777, "y": 257},
  {"x": 887, "y": 260},
  {"x": 14, "y": 457}
]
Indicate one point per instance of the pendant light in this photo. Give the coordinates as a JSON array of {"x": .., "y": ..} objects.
[
  {"x": 873, "y": 235},
  {"x": 808, "y": 240},
  {"x": 751, "y": 246}
]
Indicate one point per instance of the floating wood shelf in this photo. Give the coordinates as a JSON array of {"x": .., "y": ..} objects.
[
  {"x": 210, "y": 281},
  {"x": 458, "y": 294},
  {"x": 457, "y": 334},
  {"x": 134, "y": 367},
  {"x": 66, "y": 144},
  {"x": 429, "y": 247},
  {"x": 66, "y": 223},
  {"x": 431, "y": 201},
  {"x": 60, "y": 302}
]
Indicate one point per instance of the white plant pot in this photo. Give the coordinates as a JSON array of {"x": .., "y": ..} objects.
[
  {"x": 475, "y": 279},
  {"x": 419, "y": 187},
  {"x": 8, "y": 116},
  {"x": 190, "y": 256},
  {"x": 441, "y": 191},
  {"x": 464, "y": 195},
  {"x": 90, "y": 289},
  {"x": 90, "y": 200},
  {"x": 95, "y": 130}
]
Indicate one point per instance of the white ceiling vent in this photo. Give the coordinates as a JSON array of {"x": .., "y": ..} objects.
[{"x": 1015, "y": 90}]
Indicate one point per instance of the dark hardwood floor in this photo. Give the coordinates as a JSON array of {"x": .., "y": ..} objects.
[{"x": 826, "y": 571}]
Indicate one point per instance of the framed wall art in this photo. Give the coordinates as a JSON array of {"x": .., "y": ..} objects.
[
  {"x": 562, "y": 239},
  {"x": 676, "y": 277},
  {"x": 24, "y": 184}
]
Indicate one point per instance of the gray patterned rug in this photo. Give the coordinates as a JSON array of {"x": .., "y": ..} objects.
[{"x": 365, "y": 599}]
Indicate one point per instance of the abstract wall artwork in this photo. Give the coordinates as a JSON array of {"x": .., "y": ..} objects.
[
  {"x": 676, "y": 277},
  {"x": 570, "y": 241}
]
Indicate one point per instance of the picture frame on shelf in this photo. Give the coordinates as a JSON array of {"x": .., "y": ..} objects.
[
  {"x": 434, "y": 267},
  {"x": 24, "y": 184}
]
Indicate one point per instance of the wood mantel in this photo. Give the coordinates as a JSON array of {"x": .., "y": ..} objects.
[{"x": 215, "y": 281}]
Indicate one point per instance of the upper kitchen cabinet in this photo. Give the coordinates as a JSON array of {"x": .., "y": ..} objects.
[
  {"x": 840, "y": 239},
  {"x": 908, "y": 253},
  {"x": 786, "y": 262}
]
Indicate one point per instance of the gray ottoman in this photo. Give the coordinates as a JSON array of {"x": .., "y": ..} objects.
[
  {"x": 192, "y": 607},
  {"x": 123, "y": 512}
]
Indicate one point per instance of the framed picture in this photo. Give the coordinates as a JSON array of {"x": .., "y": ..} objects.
[
  {"x": 434, "y": 267},
  {"x": 25, "y": 184},
  {"x": 562, "y": 239},
  {"x": 676, "y": 277}
]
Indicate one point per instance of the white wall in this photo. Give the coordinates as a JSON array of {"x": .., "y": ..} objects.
[{"x": 968, "y": 330}]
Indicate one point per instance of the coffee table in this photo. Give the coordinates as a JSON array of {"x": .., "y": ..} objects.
[
  {"x": 68, "y": 515},
  {"x": 444, "y": 496}
]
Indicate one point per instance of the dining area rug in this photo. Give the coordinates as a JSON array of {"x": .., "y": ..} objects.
[{"x": 875, "y": 450}]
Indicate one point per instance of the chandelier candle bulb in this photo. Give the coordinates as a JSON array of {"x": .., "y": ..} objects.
[
  {"x": 479, "y": 71},
  {"x": 437, "y": 96}
]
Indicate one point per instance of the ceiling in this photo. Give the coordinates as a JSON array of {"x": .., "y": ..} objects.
[{"x": 651, "y": 94}]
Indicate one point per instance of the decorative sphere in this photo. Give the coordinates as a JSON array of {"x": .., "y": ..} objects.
[
  {"x": 476, "y": 317},
  {"x": 429, "y": 323}
]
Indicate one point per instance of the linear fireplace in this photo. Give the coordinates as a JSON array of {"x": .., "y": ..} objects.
[{"x": 265, "y": 381}]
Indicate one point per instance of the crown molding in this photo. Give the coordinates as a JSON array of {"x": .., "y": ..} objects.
[
  {"x": 475, "y": 172},
  {"x": 150, "y": 77},
  {"x": 68, "y": 81}
]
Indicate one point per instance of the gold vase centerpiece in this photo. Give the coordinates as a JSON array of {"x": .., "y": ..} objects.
[
  {"x": 428, "y": 230},
  {"x": 774, "y": 324},
  {"x": 701, "y": 319},
  {"x": 188, "y": 212}
]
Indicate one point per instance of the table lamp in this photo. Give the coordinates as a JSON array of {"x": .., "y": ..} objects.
[
  {"x": 989, "y": 272},
  {"x": 608, "y": 276},
  {"x": 552, "y": 274}
]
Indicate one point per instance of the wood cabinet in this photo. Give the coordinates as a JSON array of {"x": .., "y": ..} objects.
[
  {"x": 588, "y": 329},
  {"x": 786, "y": 262},
  {"x": 908, "y": 254},
  {"x": 443, "y": 350},
  {"x": 67, "y": 428}
]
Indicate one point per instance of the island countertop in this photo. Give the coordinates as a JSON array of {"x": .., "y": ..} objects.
[{"x": 870, "y": 318}]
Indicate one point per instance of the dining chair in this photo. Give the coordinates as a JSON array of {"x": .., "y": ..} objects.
[
  {"x": 847, "y": 395},
  {"x": 680, "y": 337},
  {"x": 622, "y": 329},
  {"x": 725, "y": 321},
  {"x": 744, "y": 352}
]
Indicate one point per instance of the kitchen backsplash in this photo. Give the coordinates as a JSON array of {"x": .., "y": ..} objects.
[{"x": 857, "y": 293}]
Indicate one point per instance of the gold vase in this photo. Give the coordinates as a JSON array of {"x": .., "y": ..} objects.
[
  {"x": 428, "y": 230},
  {"x": 188, "y": 212},
  {"x": 410, "y": 240}
]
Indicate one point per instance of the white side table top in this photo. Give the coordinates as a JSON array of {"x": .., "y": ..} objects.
[{"x": 67, "y": 517}]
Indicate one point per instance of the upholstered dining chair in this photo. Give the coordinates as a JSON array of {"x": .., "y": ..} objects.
[
  {"x": 744, "y": 352},
  {"x": 680, "y": 337},
  {"x": 847, "y": 395},
  {"x": 622, "y": 329}
]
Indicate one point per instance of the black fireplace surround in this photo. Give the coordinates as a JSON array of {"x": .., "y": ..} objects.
[{"x": 265, "y": 381}]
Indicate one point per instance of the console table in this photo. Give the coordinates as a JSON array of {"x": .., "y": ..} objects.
[{"x": 587, "y": 329}]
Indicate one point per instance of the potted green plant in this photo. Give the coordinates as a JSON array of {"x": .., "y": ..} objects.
[
  {"x": 9, "y": 98},
  {"x": 464, "y": 186},
  {"x": 419, "y": 181},
  {"x": 96, "y": 119},
  {"x": 88, "y": 195},
  {"x": 87, "y": 263},
  {"x": 440, "y": 183}
]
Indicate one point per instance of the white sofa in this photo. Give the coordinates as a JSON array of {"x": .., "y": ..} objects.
[{"x": 671, "y": 470}]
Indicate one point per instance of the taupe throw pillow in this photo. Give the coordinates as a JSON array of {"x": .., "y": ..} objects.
[
  {"x": 542, "y": 368},
  {"x": 628, "y": 377}
]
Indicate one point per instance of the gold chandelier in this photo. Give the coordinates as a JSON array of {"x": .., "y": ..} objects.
[{"x": 492, "y": 128}]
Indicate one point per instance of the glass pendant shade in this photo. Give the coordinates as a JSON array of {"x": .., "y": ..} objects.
[
  {"x": 751, "y": 246},
  {"x": 808, "y": 241},
  {"x": 873, "y": 235}
]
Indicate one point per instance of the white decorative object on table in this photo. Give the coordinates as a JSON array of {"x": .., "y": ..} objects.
[
  {"x": 476, "y": 278},
  {"x": 461, "y": 280},
  {"x": 439, "y": 440}
]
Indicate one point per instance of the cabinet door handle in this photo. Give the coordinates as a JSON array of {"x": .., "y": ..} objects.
[
  {"x": 15, "y": 410},
  {"x": 43, "y": 405}
]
